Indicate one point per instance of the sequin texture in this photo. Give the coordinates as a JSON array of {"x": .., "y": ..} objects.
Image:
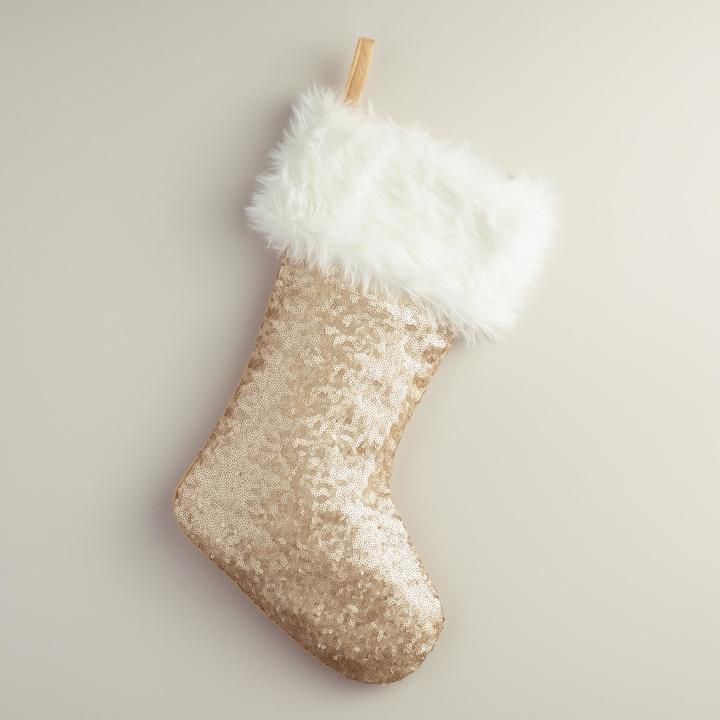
[{"x": 290, "y": 496}]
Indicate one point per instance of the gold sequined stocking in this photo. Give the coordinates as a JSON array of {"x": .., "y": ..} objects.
[
  {"x": 391, "y": 244},
  {"x": 291, "y": 495}
]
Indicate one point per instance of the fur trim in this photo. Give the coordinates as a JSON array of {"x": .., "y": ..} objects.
[{"x": 399, "y": 212}]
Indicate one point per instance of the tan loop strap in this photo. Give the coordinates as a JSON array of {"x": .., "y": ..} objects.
[{"x": 359, "y": 70}]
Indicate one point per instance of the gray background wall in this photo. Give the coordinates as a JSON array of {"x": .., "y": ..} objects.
[{"x": 562, "y": 485}]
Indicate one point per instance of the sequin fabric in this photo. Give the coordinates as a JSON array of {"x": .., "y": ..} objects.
[{"x": 291, "y": 497}]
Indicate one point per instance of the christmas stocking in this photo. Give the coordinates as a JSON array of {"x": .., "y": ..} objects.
[{"x": 392, "y": 244}]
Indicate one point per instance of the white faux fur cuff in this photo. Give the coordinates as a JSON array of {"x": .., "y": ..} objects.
[{"x": 399, "y": 212}]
